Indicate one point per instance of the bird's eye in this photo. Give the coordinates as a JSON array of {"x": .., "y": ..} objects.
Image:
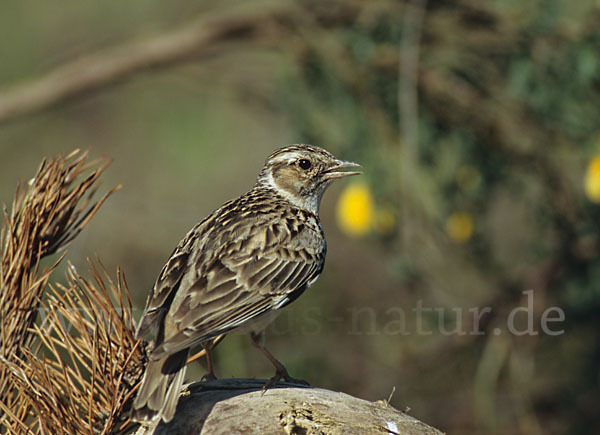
[{"x": 304, "y": 164}]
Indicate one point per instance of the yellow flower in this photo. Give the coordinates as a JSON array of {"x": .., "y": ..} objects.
[
  {"x": 592, "y": 180},
  {"x": 355, "y": 212},
  {"x": 459, "y": 226}
]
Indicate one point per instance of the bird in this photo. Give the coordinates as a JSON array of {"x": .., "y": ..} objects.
[{"x": 235, "y": 271}]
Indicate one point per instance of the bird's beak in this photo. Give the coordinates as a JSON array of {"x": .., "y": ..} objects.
[{"x": 334, "y": 171}]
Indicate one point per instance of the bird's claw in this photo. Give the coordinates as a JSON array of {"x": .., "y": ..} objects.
[
  {"x": 282, "y": 375},
  {"x": 291, "y": 380}
]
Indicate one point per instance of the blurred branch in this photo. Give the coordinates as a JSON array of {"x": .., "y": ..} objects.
[{"x": 98, "y": 70}]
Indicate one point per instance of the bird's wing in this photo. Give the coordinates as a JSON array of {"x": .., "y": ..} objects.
[
  {"x": 247, "y": 275},
  {"x": 167, "y": 284}
]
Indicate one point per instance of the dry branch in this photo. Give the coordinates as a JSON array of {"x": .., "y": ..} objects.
[
  {"x": 98, "y": 70},
  {"x": 238, "y": 406},
  {"x": 45, "y": 217},
  {"x": 68, "y": 358}
]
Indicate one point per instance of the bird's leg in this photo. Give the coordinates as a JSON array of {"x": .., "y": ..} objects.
[
  {"x": 280, "y": 370},
  {"x": 208, "y": 347},
  {"x": 202, "y": 353}
]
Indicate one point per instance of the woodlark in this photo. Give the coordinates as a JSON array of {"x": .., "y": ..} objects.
[{"x": 235, "y": 270}]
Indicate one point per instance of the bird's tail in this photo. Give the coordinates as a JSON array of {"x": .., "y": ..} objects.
[{"x": 160, "y": 388}]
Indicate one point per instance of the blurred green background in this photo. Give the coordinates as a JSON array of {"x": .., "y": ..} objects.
[{"x": 478, "y": 126}]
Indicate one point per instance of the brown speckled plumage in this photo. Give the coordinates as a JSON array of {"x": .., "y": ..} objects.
[{"x": 236, "y": 269}]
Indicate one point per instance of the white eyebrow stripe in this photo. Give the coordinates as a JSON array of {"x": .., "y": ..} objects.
[{"x": 293, "y": 158}]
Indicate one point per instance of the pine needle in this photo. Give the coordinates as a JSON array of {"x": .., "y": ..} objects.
[{"x": 69, "y": 361}]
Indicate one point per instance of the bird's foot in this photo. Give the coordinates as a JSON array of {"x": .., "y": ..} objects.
[
  {"x": 291, "y": 380},
  {"x": 282, "y": 375}
]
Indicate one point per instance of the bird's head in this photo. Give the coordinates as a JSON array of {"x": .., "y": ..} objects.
[{"x": 301, "y": 173}]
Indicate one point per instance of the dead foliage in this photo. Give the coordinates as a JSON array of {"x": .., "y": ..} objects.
[{"x": 69, "y": 361}]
